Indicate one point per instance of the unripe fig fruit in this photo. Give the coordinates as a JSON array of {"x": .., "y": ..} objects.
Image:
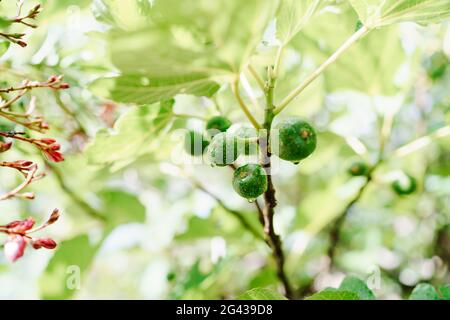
[
  {"x": 250, "y": 181},
  {"x": 296, "y": 138},
  {"x": 358, "y": 169},
  {"x": 216, "y": 125},
  {"x": 195, "y": 143},
  {"x": 404, "y": 185},
  {"x": 223, "y": 149}
]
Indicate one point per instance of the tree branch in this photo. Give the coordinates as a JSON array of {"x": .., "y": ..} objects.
[{"x": 272, "y": 238}]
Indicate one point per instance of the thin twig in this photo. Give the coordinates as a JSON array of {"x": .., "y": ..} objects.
[
  {"x": 336, "y": 227},
  {"x": 30, "y": 177},
  {"x": 233, "y": 212}
]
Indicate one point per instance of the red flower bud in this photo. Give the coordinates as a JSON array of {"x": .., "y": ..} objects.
[
  {"x": 48, "y": 140},
  {"x": 14, "y": 247},
  {"x": 5, "y": 146},
  {"x": 47, "y": 243},
  {"x": 54, "y": 155},
  {"x": 64, "y": 85},
  {"x": 20, "y": 226},
  {"x": 23, "y": 163},
  {"x": 53, "y": 78}
]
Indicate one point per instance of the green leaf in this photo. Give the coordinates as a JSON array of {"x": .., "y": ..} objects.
[
  {"x": 445, "y": 291},
  {"x": 333, "y": 294},
  {"x": 261, "y": 294},
  {"x": 67, "y": 268},
  {"x": 218, "y": 223},
  {"x": 377, "y": 13},
  {"x": 293, "y": 15},
  {"x": 357, "y": 286},
  {"x": 424, "y": 291},
  {"x": 4, "y": 46},
  {"x": 364, "y": 67},
  {"x": 121, "y": 207},
  {"x": 140, "y": 89},
  {"x": 135, "y": 133},
  {"x": 174, "y": 47},
  {"x": 5, "y": 22}
]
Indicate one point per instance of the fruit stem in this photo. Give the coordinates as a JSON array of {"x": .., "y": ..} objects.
[{"x": 272, "y": 239}]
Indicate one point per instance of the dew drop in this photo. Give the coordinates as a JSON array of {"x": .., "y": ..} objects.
[
  {"x": 251, "y": 200},
  {"x": 296, "y": 162}
]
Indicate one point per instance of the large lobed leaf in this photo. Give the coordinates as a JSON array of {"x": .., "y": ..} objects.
[
  {"x": 261, "y": 294},
  {"x": 134, "y": 134},
  {"x": 364, "y": 67},
  {"x": 293, "y": 15},
  {"x": 377, "y": 13},
  {"x": 351, "y": 288},
  {"x": 179, "y": 46}
]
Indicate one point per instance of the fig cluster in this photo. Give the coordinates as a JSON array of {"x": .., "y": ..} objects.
[{"x": 292, "y": 140}]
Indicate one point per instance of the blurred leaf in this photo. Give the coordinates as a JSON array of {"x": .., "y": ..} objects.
[
  {"x": 135, "y": 133},
  {"x": 319, "y": 208},
  {"x": 199, "y": 228},
  {"x": 121, "y": 207},
  {"x": 424, "y": 291},
  {"x": 4, "y": 46},
  {"x": 333, "y": 294},
  {"x": 293, "y": 15},
  {"x": 357, "y": 286},
  {"x": 135, "y": 88},
  {"x": 218, "y": 223},
  {"x": 5, "y": 22},
  {"x": 377, "y": 13},
  {"x": 261, "y": 294},
  {"x": 203, "y": 41},
  {"x": 265, "y": 277},
  {"x": 445, "y": 291},
  {"x": 67, "y": 268},
  {"x": 193, "y": 280},
  {"x": 364, "y": 67}
]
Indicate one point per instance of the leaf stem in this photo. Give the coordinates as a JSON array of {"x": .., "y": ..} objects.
[
  {"x": 235, "y": 89},
  {"x": 347, "y": 44},
  {"x": 255, "y": 75}
]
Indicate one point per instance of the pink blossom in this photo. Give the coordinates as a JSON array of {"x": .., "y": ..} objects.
[{"x": 14, "y": 247}]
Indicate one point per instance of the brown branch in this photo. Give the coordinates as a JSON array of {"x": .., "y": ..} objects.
[
  {"x": 336, "y": 227},
  {"x": 54, "y": 82},
  {"x": 272, "y": 238},
  {"x": 335, "y": 230}
]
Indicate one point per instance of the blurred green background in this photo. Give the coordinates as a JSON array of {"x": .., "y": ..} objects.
[{"x": 134, "y": 227}]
